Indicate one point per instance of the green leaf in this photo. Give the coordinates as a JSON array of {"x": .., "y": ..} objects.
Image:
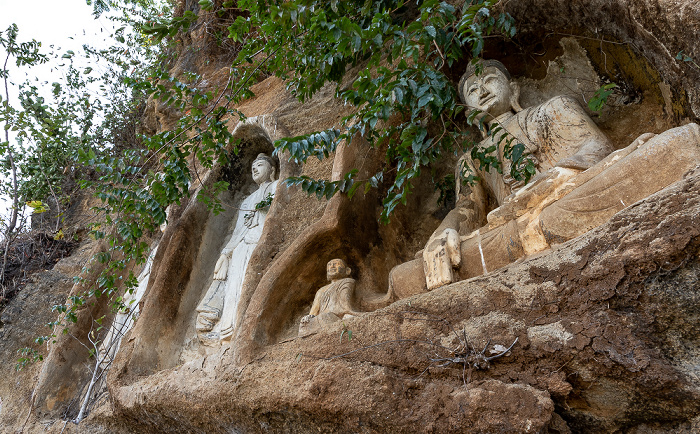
[
  {"x": 518, "y": 150},
  {"x": 425, "y": 99},
  {"x": 600, "y": 98},
  {"x": 37, "y": 206},
  {"x": 353, "y": 189}
]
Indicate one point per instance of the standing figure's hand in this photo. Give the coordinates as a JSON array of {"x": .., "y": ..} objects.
[
  {"x": 221, "y": 268},
  {"x": 248, "y": 219}
]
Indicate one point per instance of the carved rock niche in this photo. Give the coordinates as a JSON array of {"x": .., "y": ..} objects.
[{"x": 192, "y": 246}]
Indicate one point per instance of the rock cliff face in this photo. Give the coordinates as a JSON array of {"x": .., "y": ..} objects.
[{"x": 602, "y": 327}]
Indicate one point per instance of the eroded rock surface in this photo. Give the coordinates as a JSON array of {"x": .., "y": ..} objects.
[
  {"x": 596, "y": 348},
  {"x": 601, "y": 329}
]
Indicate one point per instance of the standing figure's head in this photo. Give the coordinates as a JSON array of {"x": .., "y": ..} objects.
[
  {"x": 263, "y": 169},
  {"x": 492, "y": 92},
  {"x": 336, "y": 269}
]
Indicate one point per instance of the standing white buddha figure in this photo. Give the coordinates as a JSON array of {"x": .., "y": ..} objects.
[{"x": 216, "y": 317}]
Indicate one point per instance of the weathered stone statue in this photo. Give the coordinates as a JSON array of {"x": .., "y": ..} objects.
[
  {"x": 561, "y": 205},
  {"x": 217, "y": 311},
  {"x": 333, "y": 302},
  {"x": 557, "y": 133},
  {"x": 576, "y": 187}
]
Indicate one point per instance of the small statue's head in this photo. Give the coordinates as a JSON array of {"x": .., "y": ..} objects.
[
  {"x": 337, "y": 269},
  {"x": 492, "y": 92},
  {"x": 263, "y": 169}
]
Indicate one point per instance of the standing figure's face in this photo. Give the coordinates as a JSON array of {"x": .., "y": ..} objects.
[
  {"x": 262, "y": 171},
  {"x": 336, "y": 269},
  {"x": 489, "y": 92}
]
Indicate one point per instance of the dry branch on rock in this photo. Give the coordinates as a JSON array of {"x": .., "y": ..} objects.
[
  {"x": 29, "y": 253},
  {"x": 465, "y": 354}
]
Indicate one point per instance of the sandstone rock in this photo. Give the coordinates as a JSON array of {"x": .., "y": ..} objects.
[{"x": 605, "y": 322}]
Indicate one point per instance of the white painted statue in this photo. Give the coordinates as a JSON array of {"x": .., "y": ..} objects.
[
  {"x": 217, "y": 312},
  {"x": 333, "y": 302}
]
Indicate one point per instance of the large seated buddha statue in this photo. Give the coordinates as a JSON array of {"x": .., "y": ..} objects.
[{"x": 579, "y": 183}]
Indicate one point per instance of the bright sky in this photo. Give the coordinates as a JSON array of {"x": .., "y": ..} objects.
[
  {"x": 54, "y": 22},
  {"x": 51, "y": 22}
]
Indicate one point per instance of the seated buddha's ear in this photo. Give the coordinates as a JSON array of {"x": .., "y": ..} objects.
[{"x": 515, "y": 96}]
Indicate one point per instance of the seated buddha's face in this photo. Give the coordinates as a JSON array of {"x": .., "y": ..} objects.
[
  {"x": 489, "y": 93},
  {"x": 336, "y": 269}
]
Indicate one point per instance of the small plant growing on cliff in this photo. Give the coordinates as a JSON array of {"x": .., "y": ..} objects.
[
  {"x": 27, "y": 356},
  {"x": 687, "y": 59},
  {"x": 600, "y": 98}
]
